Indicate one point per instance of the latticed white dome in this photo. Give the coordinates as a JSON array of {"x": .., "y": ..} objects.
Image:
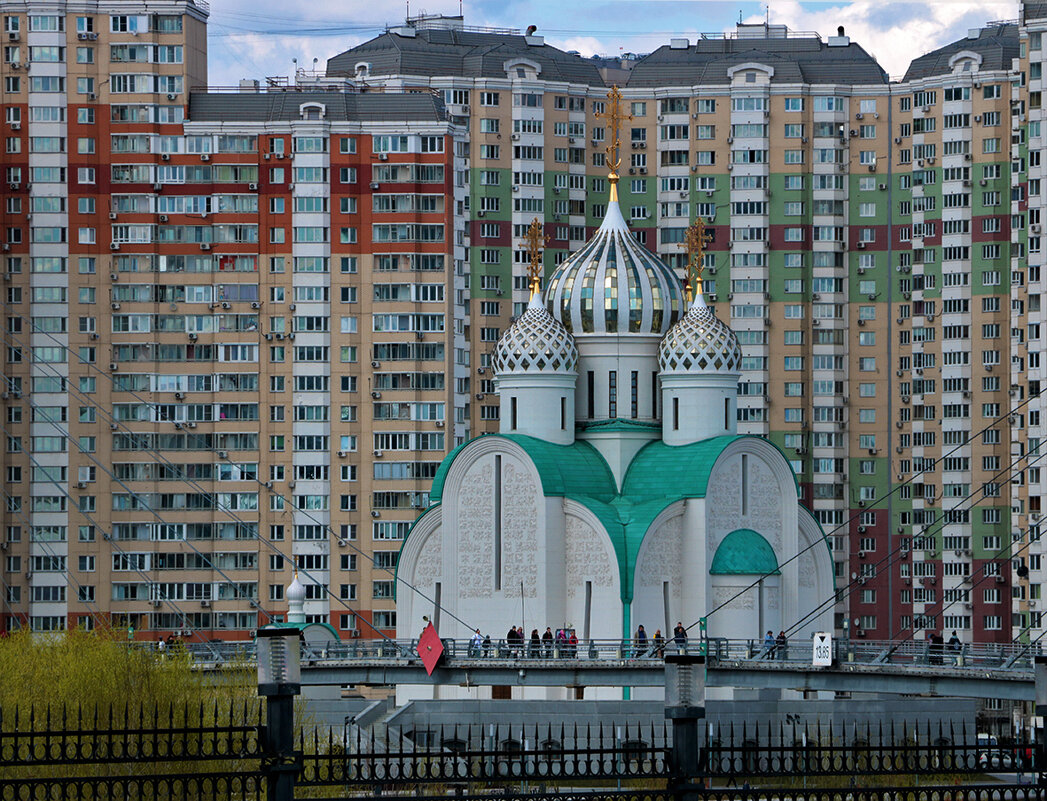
[
  {"x": 700, "y": 343},
  {"x": 613, "y": 285},
  {"x": 535, "y": 343}
]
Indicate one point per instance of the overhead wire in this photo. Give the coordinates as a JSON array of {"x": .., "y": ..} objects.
[
  {"x": 857, "y": 515},
  {"x": 889, "y": 556},
  {"x": 45, "y": 545},
  {"x": 220, "y": 509},
  {"x": 288, "y": 502}
]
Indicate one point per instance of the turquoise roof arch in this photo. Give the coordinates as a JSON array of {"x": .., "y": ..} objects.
[{"x": 744, "y": 552}]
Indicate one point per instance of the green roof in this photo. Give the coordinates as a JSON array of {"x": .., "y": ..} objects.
[
  {"x": 744, "y": 552},
  {"x": 565, "y": 470},
  {"x": 579, "y": 472}
]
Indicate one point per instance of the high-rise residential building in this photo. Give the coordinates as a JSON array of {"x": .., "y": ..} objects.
[
  {"x": 233, "y": 329},
  {"x": 356, "y": 244}
]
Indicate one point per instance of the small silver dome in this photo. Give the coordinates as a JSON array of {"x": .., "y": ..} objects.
[
  {"x": 614, "y": 285},
  {"x": 700, "y": 343},
  {"x": 535, "y": 343}
]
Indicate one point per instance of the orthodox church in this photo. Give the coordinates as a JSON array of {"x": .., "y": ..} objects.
[{"x": 617, "y": 492}]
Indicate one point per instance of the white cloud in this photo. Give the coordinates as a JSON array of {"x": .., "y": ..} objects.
[{"x": 895, "y": 33}]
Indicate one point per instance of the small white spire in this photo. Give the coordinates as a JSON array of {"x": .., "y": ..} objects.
[{"x": 295, "y": 600}]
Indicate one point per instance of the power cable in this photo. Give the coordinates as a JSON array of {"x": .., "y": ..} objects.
[
  {"x": 888, "y": 557},
  {"x": 286, "y": 501},
  {"x": 857, "y": 515}
]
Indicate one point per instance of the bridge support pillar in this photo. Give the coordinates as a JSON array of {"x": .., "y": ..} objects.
[{"x": 685, "y": 707}]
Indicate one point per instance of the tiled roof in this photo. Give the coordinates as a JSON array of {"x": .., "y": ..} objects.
[
  {"x": 1033, "y": 11},
  {"x": 340, "y": 106},
  {"x": 440, "y": 52},
  {"x": 795, "y": 60},
  {"x": 997, "y": 46}
]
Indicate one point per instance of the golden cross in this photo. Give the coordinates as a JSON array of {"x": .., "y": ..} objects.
[
  {"x": 535, "y": 245},
  {"x": 615, "y": 116},
  {"x": 694, "y": 242}
]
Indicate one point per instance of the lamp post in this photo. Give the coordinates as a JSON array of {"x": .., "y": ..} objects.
[
  {"x": 279, "y": 681},
  {"x": 685, "y": 707},
  {"x": 1040, "y": 676}
]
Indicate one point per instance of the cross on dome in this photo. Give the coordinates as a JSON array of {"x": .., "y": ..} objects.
[
  {"x": 615, "y": 116},
  {"x": 694, "y": 242},
  {"x": 535, "y": 247}
]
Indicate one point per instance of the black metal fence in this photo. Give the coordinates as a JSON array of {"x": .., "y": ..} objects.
[
  {"x": 495, "y": 755},
  {"x": 214, "y": 752},
  {"x": 186, "y": 751}
]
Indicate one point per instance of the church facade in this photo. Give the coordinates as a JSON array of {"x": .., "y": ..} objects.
[{"x": 617, "y": 492}]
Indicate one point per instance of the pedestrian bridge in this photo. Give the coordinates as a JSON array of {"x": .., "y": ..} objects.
[{"x": 1004, "y": 671}]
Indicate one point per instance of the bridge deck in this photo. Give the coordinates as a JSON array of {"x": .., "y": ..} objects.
[{"x": 979, "y": 671}]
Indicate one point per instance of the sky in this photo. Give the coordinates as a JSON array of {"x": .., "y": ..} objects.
[{"x": 260, "y": 38}]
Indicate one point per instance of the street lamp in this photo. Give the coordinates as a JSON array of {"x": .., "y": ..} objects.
[
  {"x": 279, "y": 662},
  {"x": 685, "y": 707},
  {"x": 279, "y": 681}
]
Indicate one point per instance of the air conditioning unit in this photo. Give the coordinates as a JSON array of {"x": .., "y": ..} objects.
[
  {"x": 439, "y": 423},
  {"x": 112, "y": 215},
  {"x": 179, "y": 396},
  {"x": 193, "y": 336},
  {"x": 205, "y": 246},
  {"x": 205, "y": 604},
  {"x": 376, "y": 363},
  {"x": 114, "y": 245},
  {"x": 377, "y": 454},
  {"x": 255, "y": 304},
  {"x": 376, "y": 395},
  {"x": 163, "y": 218},
  {"x": 383, "y": 157},
  {"x": 252, "y": 187},
  {"x": 375, "y": 514},
  {"x": 114, "y": 306},
  {"x": 342, "y": 454},
  {"x": 113, "y": 366},
  {"x": 223, "y": 454}
]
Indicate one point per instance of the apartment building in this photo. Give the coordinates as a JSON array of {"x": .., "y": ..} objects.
[
  {"x": 356, "y": 242},
  {"x": 232, "y": 333}
]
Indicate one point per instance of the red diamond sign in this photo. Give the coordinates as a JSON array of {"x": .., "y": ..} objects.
[{"x": 430, "y": 648}]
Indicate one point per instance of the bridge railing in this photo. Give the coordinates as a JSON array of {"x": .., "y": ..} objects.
[{"x": 968, "y": 656}]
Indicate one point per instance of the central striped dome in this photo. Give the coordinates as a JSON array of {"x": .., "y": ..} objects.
[{"x": 614, "y": 285}]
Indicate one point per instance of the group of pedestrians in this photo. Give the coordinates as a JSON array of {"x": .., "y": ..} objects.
[
  {"x": 537, "y": 646},
  {"x": 775, "y": 647},
  {"x": 564, "y": 643}
]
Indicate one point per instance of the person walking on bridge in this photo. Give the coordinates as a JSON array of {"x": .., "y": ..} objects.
[
  {"x": 680, "y": 636},
  {"x": 768, "y": 645},
  {"x": 547, "y": 642}
]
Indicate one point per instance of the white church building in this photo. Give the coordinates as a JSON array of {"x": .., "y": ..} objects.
[{"x": 617, "y": 492}]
